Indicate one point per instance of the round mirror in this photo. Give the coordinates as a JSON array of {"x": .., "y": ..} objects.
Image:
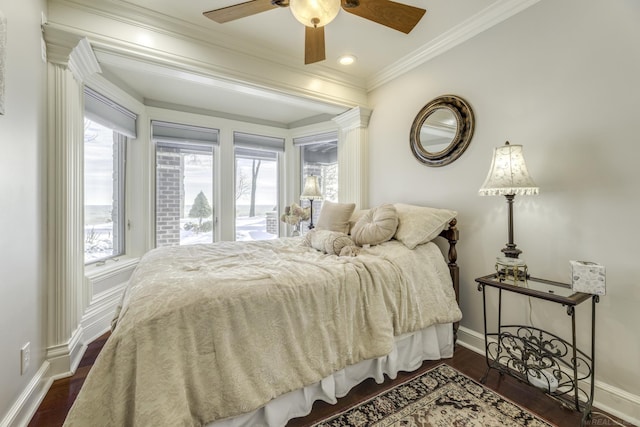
[{"x": 442, "y": 130}]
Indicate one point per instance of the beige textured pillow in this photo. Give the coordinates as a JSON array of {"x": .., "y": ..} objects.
[
  {"x": 420, "y": 224},
  {"x": 329, "y": 242},
  {"x": 355, "y": 216},
  {"x": 376, "y": 226},
  {"x": 335, "y": 216}
]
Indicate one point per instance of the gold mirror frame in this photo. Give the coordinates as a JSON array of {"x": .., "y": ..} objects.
[{"x": 464, "y": 131}]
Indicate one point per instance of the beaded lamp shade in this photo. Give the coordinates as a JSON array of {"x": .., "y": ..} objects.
[
  {"x": 507, "y": 177},
  {"x": 508, "y": 173}
]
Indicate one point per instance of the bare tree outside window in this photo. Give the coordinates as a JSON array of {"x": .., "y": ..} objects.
[
  {"x": 243, "y": 185},
  {"x": 255, "y": 170},
  {"x": 256, "y": 194}
]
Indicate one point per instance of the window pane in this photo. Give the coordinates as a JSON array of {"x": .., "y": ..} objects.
[
  {"x": 320, "y": 159},
  {"x": 184, "y": 193},
  {"x": 256, "y": 194},
  {"x": 103, "y": 192}
]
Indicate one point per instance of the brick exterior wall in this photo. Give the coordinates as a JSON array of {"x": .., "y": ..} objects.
[
  {"x": 272, "y": 222},
  {"x": 169, "y": 196}
]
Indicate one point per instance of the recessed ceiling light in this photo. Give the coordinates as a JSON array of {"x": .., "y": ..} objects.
[{"x": 347, "y": 59}]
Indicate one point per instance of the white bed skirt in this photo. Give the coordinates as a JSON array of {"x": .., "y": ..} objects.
[{"x": 410, "y": 350}]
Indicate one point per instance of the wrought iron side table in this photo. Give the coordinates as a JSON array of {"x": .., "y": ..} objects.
[{"x": 536, "y": 356}]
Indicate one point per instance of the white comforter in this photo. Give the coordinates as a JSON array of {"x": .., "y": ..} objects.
[{"x": 207, "y": 332}]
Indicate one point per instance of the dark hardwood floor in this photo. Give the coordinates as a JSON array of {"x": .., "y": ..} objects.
[{"x": 56, "y": 404}]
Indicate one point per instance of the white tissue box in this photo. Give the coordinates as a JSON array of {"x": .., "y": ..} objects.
[{"x": 588, "y": 277}]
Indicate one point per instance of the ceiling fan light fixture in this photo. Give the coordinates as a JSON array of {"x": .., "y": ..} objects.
[
  {"x": 346, "y": 59},
  {"x": 314, "y": 13}
]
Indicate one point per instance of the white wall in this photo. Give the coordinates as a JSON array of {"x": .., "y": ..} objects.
[
  {"x": 22, "y": 171},
  {"x": 561, "y": 78}
]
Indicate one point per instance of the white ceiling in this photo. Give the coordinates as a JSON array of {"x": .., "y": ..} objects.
[
  {"x": 277, "y": 31},
  {"x": 163, "y": 88},
  {"x": 276, "y": 35}
]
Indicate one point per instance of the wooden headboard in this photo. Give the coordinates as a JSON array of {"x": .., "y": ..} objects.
[{"x": 452, "y": 236}]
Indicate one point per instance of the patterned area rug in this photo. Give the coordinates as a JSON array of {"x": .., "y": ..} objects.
[{"x": 441, "y": 397}]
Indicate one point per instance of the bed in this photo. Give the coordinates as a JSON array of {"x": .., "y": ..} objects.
[{"x": 252, "y": 333}]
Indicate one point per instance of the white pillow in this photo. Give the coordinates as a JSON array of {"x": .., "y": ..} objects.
[
  {"x": 335, "y": 216},
  {"x": 420, "y": 224},
  {"x": 376, "y": 226},
  {"x": 329, "y": 242}
]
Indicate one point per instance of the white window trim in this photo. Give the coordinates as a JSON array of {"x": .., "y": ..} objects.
[{"x": 224, "y": 165}]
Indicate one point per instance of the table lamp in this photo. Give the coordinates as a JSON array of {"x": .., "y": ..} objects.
[
  {"x": 507, "y": 177},
  {"x": 311, "y": 192}
]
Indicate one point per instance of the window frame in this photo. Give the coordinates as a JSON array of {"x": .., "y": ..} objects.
[
  {"x": 276, "y": 148},
  {"x": 212, "y": 197},
  {"x": 320, "y": 137},
  {"x": 119, "y": 179}
]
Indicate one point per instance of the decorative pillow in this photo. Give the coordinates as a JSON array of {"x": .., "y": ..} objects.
[
  {"x": 355, "y": 216},
  {"x": 376, "y": 226},
  {"x": 420, "y": 224},
  {"x": 329, "y": 242},
  {"x": 350, "y": 251},
  {"x": 335, "y": 216}
]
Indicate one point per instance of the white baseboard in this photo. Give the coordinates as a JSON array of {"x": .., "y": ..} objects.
[
  {"x": 608, "y": 398},
  {"x": 98, "y": 316},
  {"x": 23, "y": 409},
  {"x": 65, "y": 358},
  {"x": 471, "y": 339},
  {"x": 617, "y": 402}
]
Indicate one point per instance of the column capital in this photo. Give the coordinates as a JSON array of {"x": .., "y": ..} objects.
[
  {"x": 357, "y": 117},
  {"x": 71, "y": 51}
]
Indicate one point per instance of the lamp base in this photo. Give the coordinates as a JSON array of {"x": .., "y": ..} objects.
[
  {"x": 510, "y": 251},
  {"x": 310, "y": 215},
  {"x": 511, "y": 269}
]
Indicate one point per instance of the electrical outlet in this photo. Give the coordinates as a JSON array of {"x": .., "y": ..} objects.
[{"x": 25, "y": 358}]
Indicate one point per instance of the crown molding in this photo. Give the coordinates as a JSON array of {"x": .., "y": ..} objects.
[
  {"x": 483, "y": 20},
  {"x": 200, "y": 52},
  {"x": 82, "y": 61},
  {"x": 357, "y": 117},
  {"x": 146, "y": 19},
  {"x": 203, "y": 62},
  {"x": 60, "y": 44}
]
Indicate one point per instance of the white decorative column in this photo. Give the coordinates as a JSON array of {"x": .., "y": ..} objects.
[
  {"x": 70, "y": 62},
  {"x": 353, "y": 157}
]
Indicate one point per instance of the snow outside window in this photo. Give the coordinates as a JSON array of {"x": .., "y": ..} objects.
[
  {"x": 184, "y": 194},
  {"x": 257, "y": 186}
]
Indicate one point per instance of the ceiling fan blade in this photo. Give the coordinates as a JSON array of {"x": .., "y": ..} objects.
[
  {"x": 238, "y": 11},
  {"x": 394, "y": 15},
  {"x": 313, "y": 45}
]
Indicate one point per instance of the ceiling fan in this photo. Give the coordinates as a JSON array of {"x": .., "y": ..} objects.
[{"x": 315, "y": 14}]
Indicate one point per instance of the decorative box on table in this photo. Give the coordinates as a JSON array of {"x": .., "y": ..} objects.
[{"x": 588, "y": 277}]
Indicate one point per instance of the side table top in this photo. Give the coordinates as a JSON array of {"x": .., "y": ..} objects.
[{"x": 536, "y": 287}]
